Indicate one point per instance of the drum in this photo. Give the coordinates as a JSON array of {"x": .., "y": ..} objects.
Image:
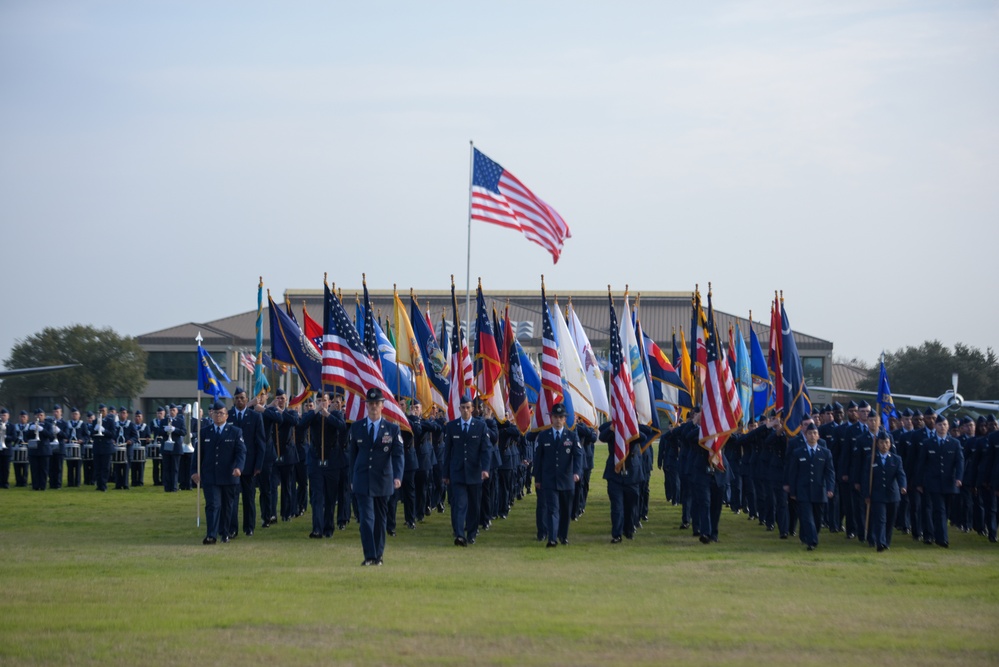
[
  {"x": 120, "y": 455},
  {"x": 153, "y": 452},
  {"x": 87, "y": 452},
  {"x": 33, "y": 444},
  {"x": 72, "y": 451},
  {"x": 138, "y": 453},
  {"x": 20, "y": 454}
]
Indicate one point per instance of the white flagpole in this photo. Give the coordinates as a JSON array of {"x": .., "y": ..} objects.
[
  {"x": 197, "y": 453},
  {"x": 468, "y": 264}
]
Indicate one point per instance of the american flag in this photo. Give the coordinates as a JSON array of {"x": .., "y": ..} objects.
[
  {"x": 622, "y": 399},
  {"x": 347, "y": 364},
  {"x": 551, "y": 370},
  {"x": 462, "y": 373},
  {"x": 500, "y": 199},
  {"x": 247, "y": 361},
  {"x": 370, "y": 339},
  {"x": 720, "y": 407}
]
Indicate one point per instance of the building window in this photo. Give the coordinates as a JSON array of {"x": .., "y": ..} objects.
[
  {"x": 812, "y": 369},
  {"x": 172, "y": 366}
]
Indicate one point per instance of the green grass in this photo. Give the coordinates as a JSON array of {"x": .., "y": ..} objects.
[{"x": 122, "y": 578}]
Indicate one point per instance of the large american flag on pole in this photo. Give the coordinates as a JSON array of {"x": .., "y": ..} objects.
[
  {"x": 346, "y": 363},
  {"x": 720, "y": 407},
  {"x": 622, "y": 398},
  {"x": 551, "y": 371},
  {"x": 499, "y": 198}
]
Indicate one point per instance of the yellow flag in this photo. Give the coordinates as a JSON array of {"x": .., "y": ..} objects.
[{"x": 408, "y": 353}]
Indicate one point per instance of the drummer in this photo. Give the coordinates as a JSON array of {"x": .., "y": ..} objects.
[
  {"x": 21, "y": 437},
  {"x": 6, "y": 440},
  {"x": 136, "y": 459},
  {"x": 76, "y": 432},
  {"x": 125, "y": 434}
]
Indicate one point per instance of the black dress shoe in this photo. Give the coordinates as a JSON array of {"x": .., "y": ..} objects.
[
  {"x": 315, "y": 536},
  {"x": 379, "y": 562},
  {"x": 392, "y": 533},
  {"x": 684, "y": 526},
  {"x": 629, "y": 536},
  {"x": 265, "y": 524},
  {"x": 704, "y": 539},
  {"x": 248, "y": 533},
  {"x": 341, "y": 526},
  {"x": 272, "y": 519},
  {"x": 460, "y": 542},
  {"x": 783, "y": 536},
  {"x": 616, "y": 540},
  {"x": 225, "y": 539},
  {"x": 368, "y": 561},
  {"x": 208, "y": 540},
  {"x": 564, "y": 542},
  {"x": 811, "y": 547},
  {"x": 471, "y": 540},
  {"x": 411, "y": 525},
  {"x": 881, "y": 548},
  {"x": 551, "y": 545},
  {"x": 327, "y": 534}
]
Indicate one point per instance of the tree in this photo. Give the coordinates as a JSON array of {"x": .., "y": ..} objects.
[
  {"x": 112, "y": 366},
  {"x": 926, "y": 371}
]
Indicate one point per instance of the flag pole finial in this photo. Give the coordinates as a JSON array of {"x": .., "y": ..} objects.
[
  {"x": 452, "y": 281},
  {"x": 782, "y": 296},
  {"x": 542, "y": 281},
  {"x": 364, "y": 280},
  {"x": 480, "y": 282}
]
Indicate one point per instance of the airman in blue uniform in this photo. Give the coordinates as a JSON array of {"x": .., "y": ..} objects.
[
  {"x": 882, "y": 489},
  {"x": 377, "y": 464},
  {"x": 941, "y": 469},
  {"x": 558, "y": 466},
  {"x": 466, "y": 465},
  {"x": 811, "y": 483},
  {"x": 221, "y": 459}
]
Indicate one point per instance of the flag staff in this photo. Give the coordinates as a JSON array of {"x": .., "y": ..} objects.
[
  {"x": 468, "y": 257},
  {"x": 197, "y": 452}
]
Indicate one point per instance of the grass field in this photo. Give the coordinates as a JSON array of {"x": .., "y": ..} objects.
[{"x": 122, "y": 578}]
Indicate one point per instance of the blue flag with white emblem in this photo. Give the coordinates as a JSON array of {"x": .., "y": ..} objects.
[{"x": 207, "y": 382}]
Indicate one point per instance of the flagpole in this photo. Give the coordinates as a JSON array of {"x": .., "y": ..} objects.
[
  {"x": 874, "y": 446},
  {"x": 468, "y": 257},
  {"x": 197, "y": 454}
]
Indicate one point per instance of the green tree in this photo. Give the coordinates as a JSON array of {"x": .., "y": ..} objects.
[
  {"x": 926, "y": 371},
  {"x": 111, "y": 365}
]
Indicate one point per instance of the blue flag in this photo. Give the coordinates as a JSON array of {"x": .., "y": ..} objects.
[
  {"x": 797, "y": 404},
  {"x": 886, "y": 404},
  {"x": 289, "y": 345},
  {"x": 434, "y": 358},
  {"x": 743, "y": 376},
  {"x": 763, "y": 394},
  {"x": 207, "y": 382}
]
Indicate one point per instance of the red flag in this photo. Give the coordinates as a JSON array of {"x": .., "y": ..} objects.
[
  {"x": 775, "y": 361},
  {"x": 312, "y": 329}
]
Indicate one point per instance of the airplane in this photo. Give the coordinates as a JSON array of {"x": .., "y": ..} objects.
[
  {"x": 16, "y": 372},
  {"x": 949, "y": 400}
]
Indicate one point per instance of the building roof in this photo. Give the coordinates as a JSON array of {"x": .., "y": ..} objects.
[{"x": 847, "y": 377}]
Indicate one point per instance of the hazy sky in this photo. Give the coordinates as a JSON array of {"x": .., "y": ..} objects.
[{"x": 156, "y": 158}]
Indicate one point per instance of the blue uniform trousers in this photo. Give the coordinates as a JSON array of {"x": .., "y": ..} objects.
[
  {"x": 371, "y": 512},
  {"x": 623, "y": 500},
  {"x": 810, "y": 518},
  {"x": 882, "y": 523},
  {"x": 218, "y": 507},
  {"x": 465, "y": 500}
]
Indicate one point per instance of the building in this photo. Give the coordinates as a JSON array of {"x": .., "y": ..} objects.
[{"x": 172, "y": 369}]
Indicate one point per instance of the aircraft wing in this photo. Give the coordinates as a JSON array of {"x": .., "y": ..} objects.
[{"x": 14, "y": 372}]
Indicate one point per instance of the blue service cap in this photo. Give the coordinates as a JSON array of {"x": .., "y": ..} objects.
[
  {"x": 837, "y": 406},
  {"x": 218, "y": 405},
  {"x": 827, "y": 408},
  {"x": 466, "y": 398},
  {"x": 279, "y": 392},
  {"x": 138, "y": 412},
  {"x": 558, "y": 410},
  {"x": 89, "y": 413},
  {"x": 39, "y": 411},
  {"x": 966, "y": 420},
  {"x": 852, "y": 405},
  {"x": 4, "y": 411},
  {"x": 57, "y": 407},
  {"x": 161, "y": 409},
  {"x": 374, "y": 395},
  {"x": 24, "y": 412},
  {"x": 238, "y": 390},
  {"x": 101, "y": 406},
  {"x": 812, "y": 427},
  {"x": 863, "y": 404},
  {"x": 991, "y": 418},
  {"x": 928, "y": 412},
  {"x": 883, "y": 435},
  {"x": 942, "y": 420},
  {"x": 74, "y": 409},
  {"x": 122, "y": 408}
]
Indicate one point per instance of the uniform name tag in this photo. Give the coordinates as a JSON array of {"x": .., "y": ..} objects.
[{"x": 801, "y": 459}]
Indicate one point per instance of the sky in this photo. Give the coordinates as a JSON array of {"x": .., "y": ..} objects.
[{"x": 157, "y": 158}]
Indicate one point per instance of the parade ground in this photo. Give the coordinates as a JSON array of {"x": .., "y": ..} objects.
[{"x": 121, "y": 578}]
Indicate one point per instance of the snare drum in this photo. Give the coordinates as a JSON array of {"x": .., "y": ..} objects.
[
  {"x": 153, "y": 452},
  {"x": 138, "y": 453},
  {"x": 120, "y": 455},
  {"x": 20, "y": 454},
  {"x": 87, "y": 452},
  {"x": 72, "y": 451}
]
